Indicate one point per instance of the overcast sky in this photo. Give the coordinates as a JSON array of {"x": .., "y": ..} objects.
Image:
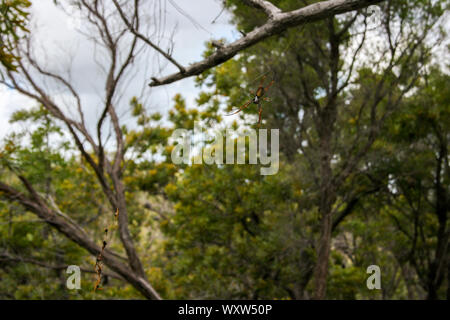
[{"x": 56, "y": 39}]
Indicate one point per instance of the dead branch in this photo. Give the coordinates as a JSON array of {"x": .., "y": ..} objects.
[
  {"x": 34, "y": 203},
  {"x": 277, "y": 22}
]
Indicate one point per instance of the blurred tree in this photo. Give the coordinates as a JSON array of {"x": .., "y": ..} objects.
[
  {"x": 121, "y": 32},
  {"x": 413, "y": 159},
  {"x": 336, "y": 82},
  {"x": 43, "y": 155},
  {"x": 342, "y": 86},
  {"x": 13, "y": 20}
]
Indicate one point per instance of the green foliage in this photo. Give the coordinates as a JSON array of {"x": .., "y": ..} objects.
[
  {"x": 225, "y": 243},
  {"x": 71, "y": 187},
  {"x": 13, "y": 20},
  {"x": 227, "y": 232}
]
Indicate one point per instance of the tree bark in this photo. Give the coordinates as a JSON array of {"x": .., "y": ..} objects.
[
  {"x": 326, "y": 200},
  {"x": 436, "y": 272},
  {"x": 325, "y": 128}
]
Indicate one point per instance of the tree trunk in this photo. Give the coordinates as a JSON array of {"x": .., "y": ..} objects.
[
  {"x": 448, "y": 278},
  {"x": 325, "y": 127},
  {"x": 327, "y": 198},
  {"x": 437, "y": 267},
  {"x": 124, "y": 232},
  {"x": 323, "y": 253}
]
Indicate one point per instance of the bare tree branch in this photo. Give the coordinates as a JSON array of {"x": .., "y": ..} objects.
[
  {"x": 139, "y": 35},
  {"x": 35, "y": 204},
  {"x": 277, "y": 23}
]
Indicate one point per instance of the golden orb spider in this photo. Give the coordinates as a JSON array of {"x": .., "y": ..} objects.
[{"x": 257, "y": 98}]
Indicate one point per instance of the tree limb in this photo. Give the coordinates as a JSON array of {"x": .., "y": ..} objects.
[
  {"x": 145, "y": 39},
  {"x": 73, "y": 232},
  {"x": 277, "y": 23}
]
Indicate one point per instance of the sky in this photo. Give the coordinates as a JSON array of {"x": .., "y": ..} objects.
[{"x": 59, "y": 44}]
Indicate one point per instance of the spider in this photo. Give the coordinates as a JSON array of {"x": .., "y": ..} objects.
[{"x": 257, "y": 98}]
